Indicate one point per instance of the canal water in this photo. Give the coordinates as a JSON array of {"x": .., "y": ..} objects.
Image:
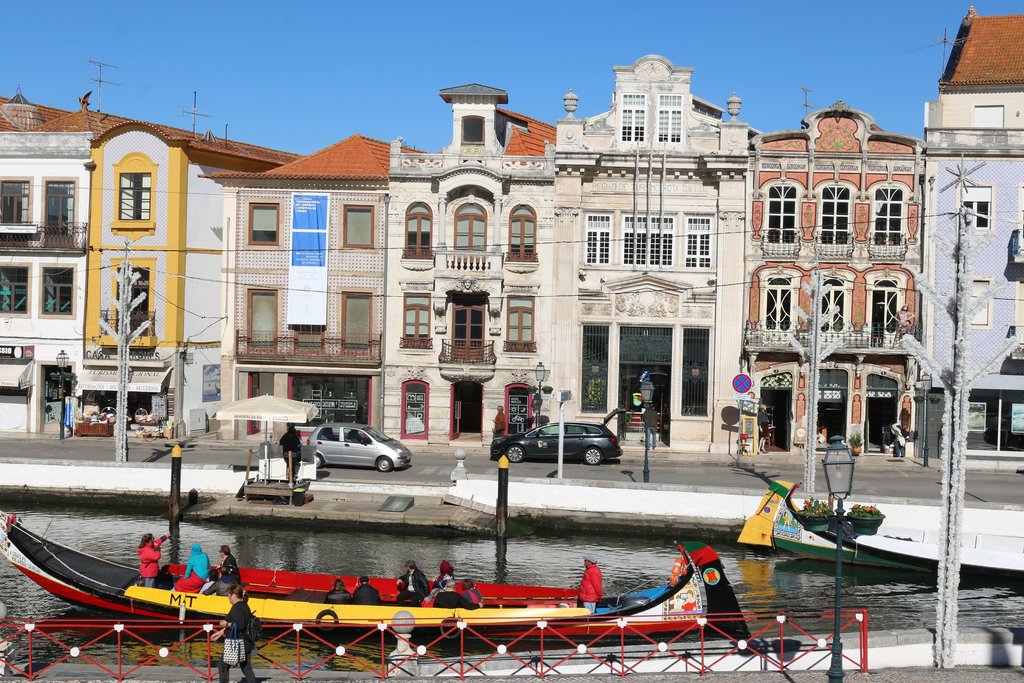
[{"x": 894, "y": 600}]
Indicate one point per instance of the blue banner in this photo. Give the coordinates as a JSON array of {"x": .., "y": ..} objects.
[{"x": 307, "y": 277}]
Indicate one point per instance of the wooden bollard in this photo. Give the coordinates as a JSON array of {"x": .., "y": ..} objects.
[
  {"x": 501, "y": 509},
  {"x": 174, "y": 510}
]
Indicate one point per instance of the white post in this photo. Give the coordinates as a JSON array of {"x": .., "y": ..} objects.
[{"x": 561, "y": 429}]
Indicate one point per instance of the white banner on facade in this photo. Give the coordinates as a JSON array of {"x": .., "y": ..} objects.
[{"x": 307, "y": 275}]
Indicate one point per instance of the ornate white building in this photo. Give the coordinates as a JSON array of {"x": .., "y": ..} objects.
[
  {"x": 469, "y": 271},
  {"x": 650, "y": 195}
]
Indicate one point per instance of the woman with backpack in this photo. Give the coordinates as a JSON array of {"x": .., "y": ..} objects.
[{"x": 236, "y": 626}]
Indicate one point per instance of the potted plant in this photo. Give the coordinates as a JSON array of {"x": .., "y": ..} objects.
[
  {"x": 856, "y": 443},
  {"x": 865, "y": 519},
  {"x": 548, "y": 389},
  {"x": 814, "y": 515}
]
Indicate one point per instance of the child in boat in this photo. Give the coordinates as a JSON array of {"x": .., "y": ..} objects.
[
  {"x": 339, "y": 595},
  {"x": 149, "y": 558},
  {"x": 196, "y": 571}
]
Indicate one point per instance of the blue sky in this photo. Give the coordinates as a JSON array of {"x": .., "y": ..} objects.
[{"x": 301, "y": 75}]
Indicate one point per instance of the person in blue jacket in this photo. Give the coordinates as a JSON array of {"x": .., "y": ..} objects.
[{"x": 196, "y": 571}]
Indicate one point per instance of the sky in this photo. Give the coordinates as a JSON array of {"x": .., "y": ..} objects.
[{"x": 301, "y": 75}]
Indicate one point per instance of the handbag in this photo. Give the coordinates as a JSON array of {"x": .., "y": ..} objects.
[{"x": 234, "y": 648}]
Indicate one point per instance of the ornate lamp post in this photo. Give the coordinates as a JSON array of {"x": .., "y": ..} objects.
[
  {"x": 62, "y": 365},
  {"x": 838, "y": 465},
  {"x": 924, "y": 387},
  {"x": 646, "y": 393},
  {"x": 541, "y": 373}
]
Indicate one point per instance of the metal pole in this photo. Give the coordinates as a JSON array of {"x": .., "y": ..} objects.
[
  {"x": 561, "y": 435},
  {"x": 647, "y": 464},
  {"x": 924, "y": 445},
  {"x": 812, "y": 381},
  {"x": 835, "y": 669},
  {"x": 501, "y": 507},
  {"x": 63, "y": 400}
]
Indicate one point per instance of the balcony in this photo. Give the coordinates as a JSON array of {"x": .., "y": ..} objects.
[
  {"x": 467, "y": 352},
  {"x": 887, "y": 246},
  {"x": 520, "y": 346},
  {"x": 416, "y": 342},
  {"x": 51, "y": 237},
  {"x": 135, "y": 319},
  {"x": 295, "y": 346},
  {"x": 459, "y": 262},
  {"x": 834, "y": 246},
  {"x": 876, "y": 339},
  {"x": 1017, "y": 247},
  {"x": 785, "y": 245}
]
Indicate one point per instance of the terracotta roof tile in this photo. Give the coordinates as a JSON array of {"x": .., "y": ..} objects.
[
  {"x": 357, "y": 157},
  {"x": 990, "y": 51},
  {"x": 83, "y": 120},
  {"x": 529, "y": 136}
]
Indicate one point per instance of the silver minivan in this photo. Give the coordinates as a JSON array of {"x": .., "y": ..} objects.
[{"x": 357, "y": 445}]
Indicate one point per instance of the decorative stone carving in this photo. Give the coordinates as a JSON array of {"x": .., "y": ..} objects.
[
  {"x": 521, "y": 377},
  {"x": 417, "y": 286},
  {"x": 440, "y": 304},
  {"x": 494, "y": 306},
  {"x": 419, "y": 374},
  {"x": 596, "y": 309},
  {"x": 459, "y": 373},
  {"x": 652, "y": 71},
  {"x": 698, "y": 312},
  {"x": 650, "y": 304}
]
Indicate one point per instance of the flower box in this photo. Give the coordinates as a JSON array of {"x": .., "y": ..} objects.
[
  {"x": 866, "y": 526},
  {"x": 814, "y": 523}
]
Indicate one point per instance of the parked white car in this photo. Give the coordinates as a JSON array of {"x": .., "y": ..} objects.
[{"x": 356, "y": 445}]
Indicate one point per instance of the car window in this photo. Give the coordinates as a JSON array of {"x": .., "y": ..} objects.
[
  {"x": 328, "y": 434},
  {"x": 353, "y": 436},
  {"x": 594, "y": 431},
  {"x": 573, "y": 430},
  {"x": 549, "y": 430}
]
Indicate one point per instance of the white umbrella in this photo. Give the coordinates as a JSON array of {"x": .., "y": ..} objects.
[{"x": 268, "y": 408}]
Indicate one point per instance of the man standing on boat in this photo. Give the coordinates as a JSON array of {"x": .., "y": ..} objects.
[{"x": 590, "y": 586}]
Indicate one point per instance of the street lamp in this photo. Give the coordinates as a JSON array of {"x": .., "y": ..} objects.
[
  {"x": 925, "y": 388},
  {"x": 541, "y": 373},
  {"x": 838, "y": 465},
  {"x": 646, "y": 393},
  {"x": 62, "y": 365}
]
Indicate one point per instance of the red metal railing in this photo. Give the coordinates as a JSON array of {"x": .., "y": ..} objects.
[{"x": 125, "y": 650}]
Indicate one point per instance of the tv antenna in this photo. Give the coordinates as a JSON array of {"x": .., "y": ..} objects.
[
  {"x": 944, "y": 41},
  {"x": 195, "y": 112},
  {"x": 100, "y": 81},
  {"x": 806, "y": 105}
]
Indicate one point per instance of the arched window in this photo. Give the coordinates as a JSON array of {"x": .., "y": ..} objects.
[
  {"x": 782, "y": 214},
  {"x": 522, "y": 234},
  {"x": 417, "y": 232},
  {"x": 470, "y": 228},
  {"x": 834, "y": 301},
  {"x": 415, "y": 409},
  {"x": 835, "y": 215},
  {"x": 778, "y": 313},
  {"x": 888, "y": 216},
  {"x": 884, "y": 309}
]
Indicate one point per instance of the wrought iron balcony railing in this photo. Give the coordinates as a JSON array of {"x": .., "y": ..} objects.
[
  {"x": 887, "y": 247},
  {"x": 520, "y": 346},
  {"x": 305, "y": 347},
  {"x": 834, "y": 244},
  {"x": 780, "y": 245},
  {"x": 873, "y": 338},
  {"x": 416, "y": 342},
  {"x": 415, "y": 254},
  {"x": 52, "y": 236},
  {"x": 467, "y": 352}
]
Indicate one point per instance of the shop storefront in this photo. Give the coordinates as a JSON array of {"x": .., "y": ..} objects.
[
  {"x": 148, "y": 400},
  {"x": 415, "y": 409},
  {"x": 16, "y": 368},
  {"x": 340, "y": 398},
  {"x": 995, "y": 415}
]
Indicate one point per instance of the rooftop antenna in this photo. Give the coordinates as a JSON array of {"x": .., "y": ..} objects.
[
  {"x": 194, "y": 113},
  {"x": 100, "y": 81},
  {"x": 806, "y": 105},
  {"x": 945, "y": 42}
]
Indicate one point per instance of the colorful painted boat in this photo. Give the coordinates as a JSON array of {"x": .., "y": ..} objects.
[
  {"x": 776, "y": 524},
  {"x": 697, "y": 587}
]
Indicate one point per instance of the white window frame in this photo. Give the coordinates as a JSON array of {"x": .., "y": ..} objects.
[
  {"x": 598, "y": 249},
  {"x": 778, "y": 298},
  {"x": 989, "y": 116},
  {"x": 983, "y": 318},
  {"x": 777, "y": 213},
  {"x": 831, "y": 195},
  {"x": 633, "y": 118},
  {"x": 892, "y": 217},
  {"x": 698, "y": 251},
  {"x": 670, "y": 118},
  {"x": 979, "y": 200},
  {"x": 837, "y": 295},
  {"x": 660, "y": 253}
]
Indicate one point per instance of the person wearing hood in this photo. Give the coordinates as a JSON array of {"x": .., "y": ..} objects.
[
  {"x": 196, "y": 571},
  {"x": 445, "y": 578}
]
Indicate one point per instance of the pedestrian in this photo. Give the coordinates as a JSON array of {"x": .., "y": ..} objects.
[
  {"x": 196, "y": 571},
  {"x": 499, "y": 423},
  {"x": 590, "y": 586},
  {"x": 365, "y": 594},
  {"x": 149, "y": 558},
  {"x": 291, "y": 445},
  {"x": 237, "y": 620},
  {"x": 763, "y": 426},
  {"x": 416, "y": 580},
  {"x": 899, "y": 440},
  {"x": 651, "y": 426}
]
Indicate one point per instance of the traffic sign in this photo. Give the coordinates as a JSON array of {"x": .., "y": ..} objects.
[{"x": 741, "y": 383}]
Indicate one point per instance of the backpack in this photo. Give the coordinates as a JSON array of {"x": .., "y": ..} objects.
[{"x": 255, "y": 628}]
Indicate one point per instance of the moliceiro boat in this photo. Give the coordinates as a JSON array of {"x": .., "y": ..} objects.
[
  {"x": 695, "y": 587},
  {"x": 779, "y": 524}
]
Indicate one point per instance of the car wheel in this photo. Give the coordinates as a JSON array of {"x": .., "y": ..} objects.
[
  {"x": 384, "y": 464},
  {"x": 320, "y": 462},
  {"x": 593, "y": 456},
  {"x": 515, "y": 454}
]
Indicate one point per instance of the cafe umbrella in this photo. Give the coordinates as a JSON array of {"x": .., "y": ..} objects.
[{"x": 267, "y": 409}]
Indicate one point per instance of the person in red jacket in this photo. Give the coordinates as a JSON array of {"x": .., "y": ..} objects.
[
  {"x": 590, "y": 586},
  {"x": 149, "y": 558}
]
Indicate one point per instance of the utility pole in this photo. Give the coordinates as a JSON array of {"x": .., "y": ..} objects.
[
  {"x": 124, "y": 336},
  {"x": 816, "y": 319},
  {"x": 957, "y": 375}
]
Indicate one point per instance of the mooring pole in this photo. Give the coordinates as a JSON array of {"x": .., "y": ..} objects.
[
  {"x": 174, "y": 509},
  {"x": 501, "y": 509}
]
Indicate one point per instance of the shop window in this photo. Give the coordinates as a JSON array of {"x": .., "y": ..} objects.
[
  {"x": 696, "y": 346},
  {"x": 594, "y": 368},
  {"x": 263, "y": 223},
  {"x": 60, "y": 203},
  {"x": 340, "y": 398},
  {"x": 415, "y": 404},
  {"x": 58, "y": 291},
  {"x": 417, "y": 232},
  {"x": 13, "y": 289},
  {"x": 358, "y": 226},
  {"x": 14, "y": 202}
]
